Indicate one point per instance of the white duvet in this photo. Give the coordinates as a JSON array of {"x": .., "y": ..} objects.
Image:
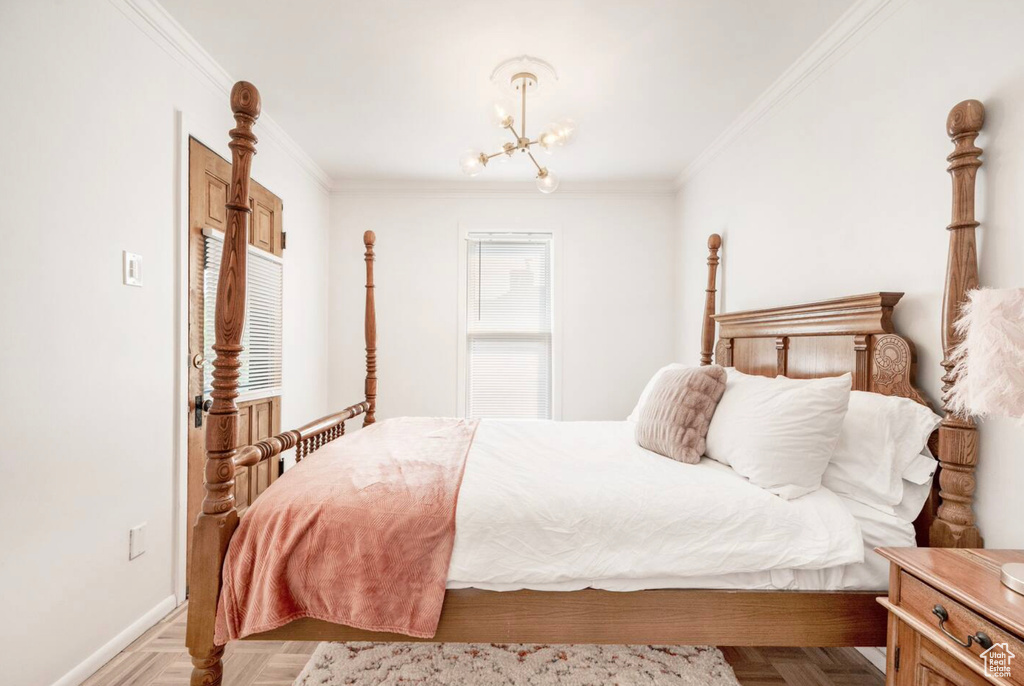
[{"x": 559, "y": 505}]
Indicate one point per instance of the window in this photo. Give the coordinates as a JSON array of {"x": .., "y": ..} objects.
[
  {"x": 261, "y": 336},
  {"x": 509, "y": 326}
]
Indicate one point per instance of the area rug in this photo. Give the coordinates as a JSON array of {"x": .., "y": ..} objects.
[{"x": 493, "y": 664}]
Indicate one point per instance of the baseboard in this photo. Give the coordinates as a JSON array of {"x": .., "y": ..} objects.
[
  {"x": 105, "y": 654},
  {"x": 875, "y": 656}
]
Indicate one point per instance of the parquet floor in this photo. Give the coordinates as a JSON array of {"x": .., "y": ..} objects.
[{"x": 158, "y": 658}]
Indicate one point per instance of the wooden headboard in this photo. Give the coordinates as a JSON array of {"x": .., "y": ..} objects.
[
  {"x": 828, "y": 338},
  {"x": 855, "y": 334}
]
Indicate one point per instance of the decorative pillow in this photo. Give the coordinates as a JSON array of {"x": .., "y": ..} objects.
[
  {"x": 779, "y": 433},
  {"x": 675, "y": 419},
  {"x": 882, "y": 438},
  {"x": 634, "y": 416}
]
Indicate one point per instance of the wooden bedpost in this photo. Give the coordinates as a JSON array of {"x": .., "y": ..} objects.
[
  {"x": 370, "y": 319},
  {"x": 954, "y": 526},
  {"x": 218, "y": 519},
  {"x": 707, "y": 332}
]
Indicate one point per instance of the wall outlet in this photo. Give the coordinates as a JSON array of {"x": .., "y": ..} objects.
[
  {"x": 136, "y": 541},
  {"x": 132, "y": 268}
]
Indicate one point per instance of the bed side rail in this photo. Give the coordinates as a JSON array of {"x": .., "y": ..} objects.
[{"x": 306, "y": 439}]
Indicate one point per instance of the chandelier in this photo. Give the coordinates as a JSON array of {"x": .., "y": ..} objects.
[{"x": 517, "y": 77}]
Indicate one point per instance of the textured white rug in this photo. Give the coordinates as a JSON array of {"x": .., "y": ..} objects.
[{"x": 483, "y": 664}]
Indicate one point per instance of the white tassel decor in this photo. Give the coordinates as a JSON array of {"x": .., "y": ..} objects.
[{"x": 989, "y": 371}]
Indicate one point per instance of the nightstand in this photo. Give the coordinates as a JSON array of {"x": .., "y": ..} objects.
[{"x": 951, "y": 621}]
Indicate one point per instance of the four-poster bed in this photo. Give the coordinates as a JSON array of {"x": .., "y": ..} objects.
[{"x": 852, "y": 334}]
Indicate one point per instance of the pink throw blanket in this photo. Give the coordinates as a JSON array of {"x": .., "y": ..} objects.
[{"x": 359, "y": 533}]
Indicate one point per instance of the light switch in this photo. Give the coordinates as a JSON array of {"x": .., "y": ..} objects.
[
  {"x": 132, "y": 268},
  {"x": 136, "y": 541}
]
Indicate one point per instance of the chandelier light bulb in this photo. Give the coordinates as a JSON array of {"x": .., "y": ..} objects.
[
  {"x": 547, "y": 182},
  {"x": 565, "y": 129},
  {"x": 504, "y": 111},
  {"x": 549, "y": 139},
  {"x": 472, "y": 162},
  {"x": 506, "y": 154}
]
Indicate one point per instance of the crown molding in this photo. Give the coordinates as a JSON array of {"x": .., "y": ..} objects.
[
  {"x": 862, "y": 16},
  {"x": 153, "y": 20},
  {"x": 438, "y": 190}
]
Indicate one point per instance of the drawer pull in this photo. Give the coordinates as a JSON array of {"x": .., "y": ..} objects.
[{"x": 981, "y": 638}]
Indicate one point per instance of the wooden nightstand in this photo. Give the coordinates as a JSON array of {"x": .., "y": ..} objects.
[{"x": 938, "y": 597}]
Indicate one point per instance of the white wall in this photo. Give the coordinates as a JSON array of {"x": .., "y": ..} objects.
[
  {"x": 843, "y": 190},
  {"x": 87, "y": 366},
  {"x": 616, "y": 306}
]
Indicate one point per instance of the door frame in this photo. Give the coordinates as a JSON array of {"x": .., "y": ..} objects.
[{"x": 186, "y": 129}]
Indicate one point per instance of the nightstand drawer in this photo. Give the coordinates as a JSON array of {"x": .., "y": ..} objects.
[{"x": 919, "y": 599}]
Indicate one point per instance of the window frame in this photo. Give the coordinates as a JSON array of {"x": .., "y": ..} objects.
[{"x": 462, "y": 338}]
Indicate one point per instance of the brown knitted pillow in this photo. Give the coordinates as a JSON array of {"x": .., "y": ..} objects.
[{"x": 675, "y": 420}]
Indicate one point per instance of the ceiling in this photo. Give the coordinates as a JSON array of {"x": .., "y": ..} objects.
[{"x": 398, "y": 89}]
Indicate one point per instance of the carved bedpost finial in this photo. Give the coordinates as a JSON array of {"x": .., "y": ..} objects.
[
  {"x": 218, "y": 518},
  {"x": 958, "y": 437},
  {"x": 245, "y": 100},
  {"x": 707, "y": 334},
  {"x": 370, "y": 315},
  {"x": 966, "y": 117}
]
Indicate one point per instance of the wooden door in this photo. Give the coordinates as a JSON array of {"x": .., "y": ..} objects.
[{"x": 209, "y": 179}]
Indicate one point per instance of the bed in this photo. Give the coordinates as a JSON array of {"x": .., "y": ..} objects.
[{"x": 594, "y": 599}]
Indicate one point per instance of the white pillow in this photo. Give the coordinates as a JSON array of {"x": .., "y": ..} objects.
[
  {"x": 779, "y": 433},
  {"x": 882, "y": 437},
  {"x": 634, "y": 416}
]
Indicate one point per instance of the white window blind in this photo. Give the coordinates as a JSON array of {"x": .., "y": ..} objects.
[
  {"x": 261, "y": 336},
  {"x": 509, "y": 326}
]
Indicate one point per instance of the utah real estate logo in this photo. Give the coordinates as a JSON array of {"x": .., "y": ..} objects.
[{"x": 997, "y": 661}]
